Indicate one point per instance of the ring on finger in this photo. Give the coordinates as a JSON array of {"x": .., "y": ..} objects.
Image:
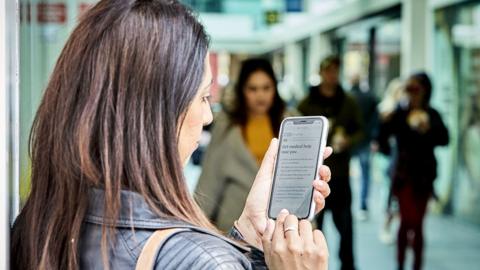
[{"x": 290, "y": 228}]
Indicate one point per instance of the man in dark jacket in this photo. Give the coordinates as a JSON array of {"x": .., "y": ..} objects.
[{"x": 330, "y": 100}]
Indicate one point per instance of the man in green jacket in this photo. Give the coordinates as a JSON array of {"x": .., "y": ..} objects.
[{"x": 346, "y": 131}]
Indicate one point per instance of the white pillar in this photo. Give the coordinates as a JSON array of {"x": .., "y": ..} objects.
[
  {"x": 415, "y": 36},
  {"x": 4, "y": 207},
  {"x": 8, "y": 89},
  {"x": 293, "y": 72},
  {"x": 319, "y": 48}
]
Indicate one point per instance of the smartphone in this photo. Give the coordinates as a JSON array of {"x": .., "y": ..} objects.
[{"x": 300, "y": 154}]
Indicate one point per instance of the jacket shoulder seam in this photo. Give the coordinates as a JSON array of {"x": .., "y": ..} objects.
[{"x": 125, "y": 244}]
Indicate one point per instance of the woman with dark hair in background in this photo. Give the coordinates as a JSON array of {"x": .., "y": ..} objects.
[
  {"x": 121, "y": 114},
  {"x": 240, "y": 137},
  {"x": 418, "y": 129}
]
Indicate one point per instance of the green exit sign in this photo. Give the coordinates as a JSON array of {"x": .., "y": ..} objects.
[{"x": 272, "y": 17}]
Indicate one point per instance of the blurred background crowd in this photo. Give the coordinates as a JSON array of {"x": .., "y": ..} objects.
[{"x": 399, "y": 81}]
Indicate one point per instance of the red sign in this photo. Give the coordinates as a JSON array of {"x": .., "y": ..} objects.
[
  {"x": 51, "y": 13},
  {"x": 84, "y": 7}
]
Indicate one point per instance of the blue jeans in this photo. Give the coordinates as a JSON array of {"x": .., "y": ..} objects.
[{"x": 364, "y": 158}]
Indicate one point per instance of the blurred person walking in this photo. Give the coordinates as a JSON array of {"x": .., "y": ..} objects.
[
  {"x": 346, "y": 131},
  {"x": 418, "y": 129},
  {"x": 240, "y": 137},
  {"x": 393, "y": 98},
  {"x": 368, "y": 106},
  {"x": 122, "y": 112}
]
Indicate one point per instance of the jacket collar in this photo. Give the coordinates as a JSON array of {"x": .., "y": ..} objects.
[{"x": 135, "y": 213}]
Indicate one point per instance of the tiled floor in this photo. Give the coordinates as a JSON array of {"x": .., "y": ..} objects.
[{"x": 450, "y": 244}]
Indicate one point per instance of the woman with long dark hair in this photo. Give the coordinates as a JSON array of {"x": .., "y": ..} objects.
[
  {"x": 240, "y": 137},
  {"x": 418, "y": 129},
  {"x": 123, "y": 110},
  {"x": 256, "y": 95}
]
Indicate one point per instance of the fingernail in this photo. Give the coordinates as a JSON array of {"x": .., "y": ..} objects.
[{"x": 284, "y": 211}]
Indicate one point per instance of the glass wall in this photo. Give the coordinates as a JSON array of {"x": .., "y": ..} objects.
[
  {"x": 44, "y": 28},
  {"x": 456, "y": 73}
]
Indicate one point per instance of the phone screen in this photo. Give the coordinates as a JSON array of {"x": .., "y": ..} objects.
[{"x": 296, "y": 166}]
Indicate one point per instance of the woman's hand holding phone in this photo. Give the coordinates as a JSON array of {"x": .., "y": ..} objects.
[
  {"x": 290, "y": 244},
  {"x": 253, "y": 221}
]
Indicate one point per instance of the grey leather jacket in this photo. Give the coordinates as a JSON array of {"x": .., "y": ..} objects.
[{"x": 193, "y": 249}]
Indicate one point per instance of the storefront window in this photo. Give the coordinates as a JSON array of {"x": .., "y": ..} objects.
[
  {"x": 371, "y": 50},
  {"x": 387, "y": 54},
  {"x": 456, "y": 70}
]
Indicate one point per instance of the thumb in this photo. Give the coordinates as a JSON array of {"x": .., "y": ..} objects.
[
  {"x": 267, "y": 236},
  {"x": 268, "y": 161}
]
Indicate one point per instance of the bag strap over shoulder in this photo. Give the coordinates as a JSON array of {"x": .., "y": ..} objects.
[{"x": 148, "y": 256}]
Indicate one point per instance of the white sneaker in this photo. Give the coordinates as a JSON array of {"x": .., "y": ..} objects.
[{"x": 386, "y": 236}]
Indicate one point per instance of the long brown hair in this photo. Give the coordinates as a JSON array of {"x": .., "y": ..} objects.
[{"x": 109, "y": 119}]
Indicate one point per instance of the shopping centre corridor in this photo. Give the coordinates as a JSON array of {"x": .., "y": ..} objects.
[{"x": 95, "y": 96}]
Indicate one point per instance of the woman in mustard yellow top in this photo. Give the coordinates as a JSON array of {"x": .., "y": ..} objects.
[{"x": 240, "y": 137}]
